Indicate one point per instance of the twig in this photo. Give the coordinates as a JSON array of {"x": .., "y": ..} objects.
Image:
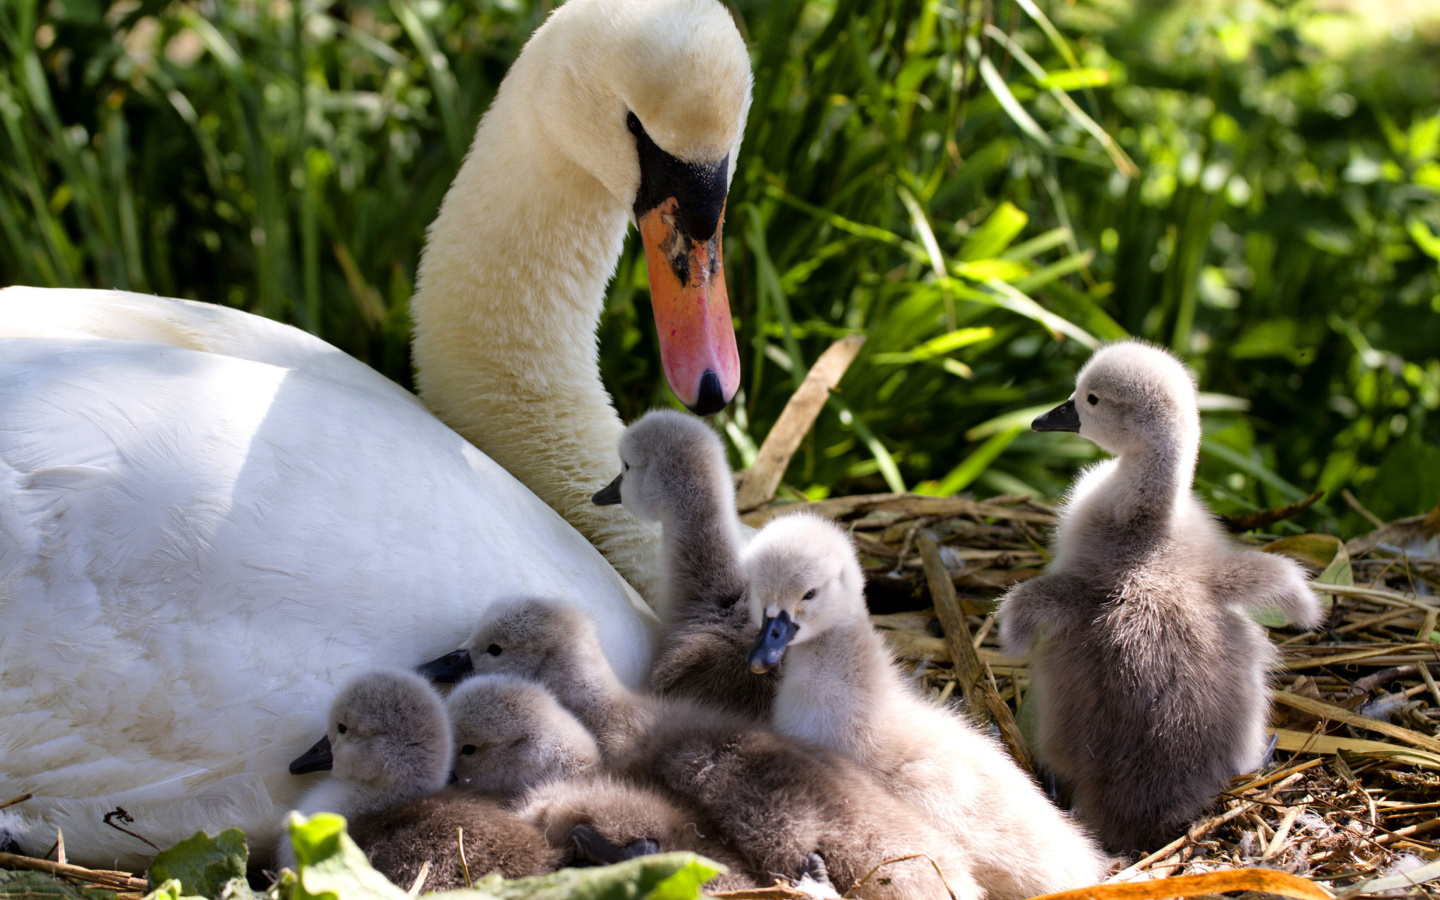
[
  {"x": 120, "y": 813},
  {"x": 464, "y": 866},
  {"x": 1263, "y": 518},
  {"x": 111, "y": 880},
  {"x": 899, "y": 859},
  {"x": 1346, "y": 717},
  {"x": 419, "y": 881},
  {"x": 20, "y": 799},
  {"x": 758, "y": 483},
  {"x": 1359, "y": 507}
]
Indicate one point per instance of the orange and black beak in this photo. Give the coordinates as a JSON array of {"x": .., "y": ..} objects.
[{"x": 679, "y": 210}]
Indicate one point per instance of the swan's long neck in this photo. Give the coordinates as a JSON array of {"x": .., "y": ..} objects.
[{"x": 510, "y": 288}]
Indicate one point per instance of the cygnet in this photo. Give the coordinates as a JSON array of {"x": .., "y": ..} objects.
[
  {"x": 515, "y": 741},
  {"x": 388, "y": 743},
  {"x": 511, "y": 736},
  {"x": 1151, "y": 681},
  {"x": 778, "y": 804},
  {"x": 841, "y": 690},
  {"x": 673, "y": 471}
]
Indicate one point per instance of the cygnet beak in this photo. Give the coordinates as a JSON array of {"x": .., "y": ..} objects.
[
  {"x": 316, "y": 759},
  {"x": 449, "y": 668},
  {"x": 609, "y": 495},
  {"x": 775, "y": 635},
  {"x": 1062, "y": 418}
]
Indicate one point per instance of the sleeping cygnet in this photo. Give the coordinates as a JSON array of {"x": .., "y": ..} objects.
[
  {"x": 389, "y": 748},
  {"x": 512, "y": 736},
  {"x": 515, "y": 741},
  {"x": 1150, "y": 680},
  {"x": 673, "y": 471},
  {"x": 841, "y": 689},
  {"x": 780, "y": 806}
]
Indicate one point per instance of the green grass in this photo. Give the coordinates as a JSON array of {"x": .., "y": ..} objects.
[{"x": 985, "y": 191}]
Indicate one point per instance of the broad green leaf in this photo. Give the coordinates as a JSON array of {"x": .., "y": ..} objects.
[
  {"x": 665, "y": 876},
  {"x": 203, "y": 864},
  {"x": 937, "y": 346},
  {"x": 1076, "y": 79},
  {"x": 170, "y": 889},
  {"x": 1423, "y": 236},
  {"x": 977, "y": 462},
  {"x": 999, "y": 229},
  {"x": 330, "y": 867}
]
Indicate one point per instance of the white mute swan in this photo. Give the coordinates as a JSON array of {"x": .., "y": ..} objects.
[{"x": 208, "y": 519}]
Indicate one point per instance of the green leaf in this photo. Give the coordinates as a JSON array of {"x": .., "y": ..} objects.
[
  {"x": 996, "y": 233},
  {"x": 330, "y": 867},
  {"x": 665, "y": 876},
  {"x": 937, "y": 346},
  {"x": 16, "y": 885},
  {"x": 1424, "y": 237},
  {"x": 203, "y": 864},
  {"x": 996, "y": 83}
]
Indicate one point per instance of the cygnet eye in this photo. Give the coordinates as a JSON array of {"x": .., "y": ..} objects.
[
  {"x": 632, "y": 122},
  {"x": 1092, "y": 399},
  {"x": 624, "y": 466},
  {"x": 493, "y": 649},
  {"x": 809, "y": 595},
  {"x": 340, "y": 728},
  {"x": 468, "y": 750}
]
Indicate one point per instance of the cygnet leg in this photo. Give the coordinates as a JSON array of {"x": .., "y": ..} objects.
[{"x": 590, "y": 846}]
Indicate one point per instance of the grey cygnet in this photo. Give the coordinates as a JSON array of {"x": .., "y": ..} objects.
[
  {"x": 842, "y": 690},
  {"x": 673, "y": 471},
  {"x": 1150, "y": 679}
]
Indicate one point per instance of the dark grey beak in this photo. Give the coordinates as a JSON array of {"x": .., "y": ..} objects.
[
  {"x": 1062, "y": 418},
  {"x": 609, "y": 495},
  {"x": 449, "y": 668},
  {"x": 775, "y": 636},
  {"x": 316, "y": 759}
]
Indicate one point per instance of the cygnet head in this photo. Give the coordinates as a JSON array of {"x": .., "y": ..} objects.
[
  {"x": 1130, "y": 397},
  {"x": 650, "y": 97},
  {"x": 668, "y": 459},
  {"x": 389, "y": 735},
  {"x": 802, "y": 579},
  {"x": 526, "y": 639},
  {"x": 512, "y": 735}
]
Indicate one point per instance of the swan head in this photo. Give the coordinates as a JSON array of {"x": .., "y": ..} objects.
[
  {"x": 389, "y": 734},
  {"x": 650, "y": 98},
  {"x": 512, "y": 735},
  {"x": 802, "y": 579},
  {"x": 1128, "y": 398},
  {"x": 667, "y": 459}
]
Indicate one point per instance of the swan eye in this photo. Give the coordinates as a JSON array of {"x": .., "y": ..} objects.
[
  {"x": 493, "y": 649},
  {"x": 632, "y": 122},
  {"x": 809, "y": 595},
  {"x": 468, "y": 750},
  {"x": 340, "y": 728},
  {"x": 1092, "y": 399}
]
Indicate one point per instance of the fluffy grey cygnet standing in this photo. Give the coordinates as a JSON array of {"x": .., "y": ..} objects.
[
  {"x": 842, "y": 690},
  {"x": 1151, "y": 680},
  {"x": 673, "y": 471},
  {"x": 389, "y": 745},
  {"x": 777, "y": 803}
]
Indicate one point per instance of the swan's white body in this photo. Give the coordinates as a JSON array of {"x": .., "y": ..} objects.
[{"x": 208, "y": 520}]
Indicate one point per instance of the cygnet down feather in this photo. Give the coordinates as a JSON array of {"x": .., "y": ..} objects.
[
  {"x": 841, "y": 690},
  {"x": 1150, "y": 679},
  {"x": 777, "y": 803},
  {"x": 388, "y": 743},
  {"x": 673, "y": 471}
]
